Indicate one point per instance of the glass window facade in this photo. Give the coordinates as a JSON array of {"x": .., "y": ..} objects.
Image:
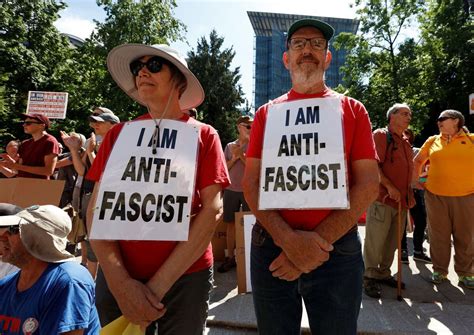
[{"x": 271, "y": 78}]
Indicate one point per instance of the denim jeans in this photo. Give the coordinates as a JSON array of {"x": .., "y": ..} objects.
[{"x": 332, "y": 293}]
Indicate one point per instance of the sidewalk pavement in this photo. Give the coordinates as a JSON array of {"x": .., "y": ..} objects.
[{"x": 425, "y": 309}]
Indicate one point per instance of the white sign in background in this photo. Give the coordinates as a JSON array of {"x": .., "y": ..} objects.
[
  {"x": 303, "y": 164},
  {"x": 51, "y": 104},
  {"x": 249, "y": 222},
  {"x": 146, "y": 196}
]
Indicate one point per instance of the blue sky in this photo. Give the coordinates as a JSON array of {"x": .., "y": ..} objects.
[{"x": 228, "y": 17}]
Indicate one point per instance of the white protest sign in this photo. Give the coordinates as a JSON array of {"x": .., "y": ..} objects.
[
  {"x": 146, "y": 196},
  {"x": 303, "y": 164},
  {"x": 51, "y": 104}
]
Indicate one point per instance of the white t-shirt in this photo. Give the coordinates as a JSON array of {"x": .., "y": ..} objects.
[{"x": 6, "y": 268}]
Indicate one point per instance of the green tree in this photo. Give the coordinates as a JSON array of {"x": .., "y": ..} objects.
[
  {"x": 447, "y": 30},
  {"x": 32, "y": 56},
  {"x": 224, "y": 95},
  {"x": 127, "y": 21},
  {"x": 375, "y": 66}
]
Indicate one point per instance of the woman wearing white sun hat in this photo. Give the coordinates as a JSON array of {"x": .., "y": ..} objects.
[{"x": 166, "y": 281}]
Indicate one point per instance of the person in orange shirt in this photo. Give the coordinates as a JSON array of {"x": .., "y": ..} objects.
[{"x": 449, "y": 197}]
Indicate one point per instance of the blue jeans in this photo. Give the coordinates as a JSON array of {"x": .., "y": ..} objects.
[{"x": 332, "y": 293}]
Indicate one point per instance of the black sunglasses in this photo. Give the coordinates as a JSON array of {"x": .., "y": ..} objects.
[
  {"x": 27, "y": 123},
  {"x": 444, "y": 118},
  {"x": 154, "y": 65},
  {"x": 246, "y": 126}
]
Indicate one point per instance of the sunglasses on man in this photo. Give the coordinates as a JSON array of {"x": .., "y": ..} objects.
[
  {"x": 28, "y": 123},
  {"x": 246, "y": 126},
  {"x": 154, "y": 65}
]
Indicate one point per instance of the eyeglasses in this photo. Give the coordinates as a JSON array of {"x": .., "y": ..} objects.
[
  {"x": 246, "y": 126},
  {"x": 444, "y": 118},
  {"x": 315, "y": 43},
  {"x": 27, "y": 123},
  {"x": 154, "y": 65}
]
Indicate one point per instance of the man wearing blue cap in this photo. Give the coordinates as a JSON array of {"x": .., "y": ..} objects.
[{"x": 313, "y": 254}]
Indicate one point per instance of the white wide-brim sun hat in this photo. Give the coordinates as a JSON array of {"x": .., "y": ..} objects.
[{"x": 120, "y": 57}]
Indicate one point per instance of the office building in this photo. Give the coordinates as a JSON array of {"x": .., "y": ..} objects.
[{"x": 271, "y": 78}]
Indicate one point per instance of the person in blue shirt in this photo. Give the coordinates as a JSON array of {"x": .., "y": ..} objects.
[{"x": 50, "y": 294}]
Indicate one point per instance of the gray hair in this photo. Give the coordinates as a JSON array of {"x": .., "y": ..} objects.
[{"x": 395, "y": 108}]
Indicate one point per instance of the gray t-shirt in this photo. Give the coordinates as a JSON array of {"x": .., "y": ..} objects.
[{"x": 236, "y": 172}]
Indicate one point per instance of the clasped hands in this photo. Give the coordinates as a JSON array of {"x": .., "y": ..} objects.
[
  {"x": 304, "y": 252},
  {"x": 138, "y": 303}
]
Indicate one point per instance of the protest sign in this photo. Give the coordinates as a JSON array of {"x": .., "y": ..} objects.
[
  {"x": 303, "y": 162},
  {"x": 145, "y": 195},
  {"x": 51, "y": 104}
]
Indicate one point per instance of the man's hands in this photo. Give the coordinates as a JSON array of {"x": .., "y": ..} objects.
[
  {"x": 7, "y": 161},
  {"x": 394, "y": 193},
  {"x": 72, "y": 142},
  {"x": 282, "y": 268},
  {"x": 306, "y": 250},
  {"x": 138, "y": 303},
  {"x": 236, "y": 151}
]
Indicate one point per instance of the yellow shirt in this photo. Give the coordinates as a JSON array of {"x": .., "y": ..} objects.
[{"x": 451, "y": 166}]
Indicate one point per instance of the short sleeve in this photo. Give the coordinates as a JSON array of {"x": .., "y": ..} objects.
[
  {"x": 255, "y": 145},
  {"x": 380, "y": 139},
  {"x": 70, "y": 305},
  {"x": 212, "y": 168},
  {"x": 105, "y": 149}
]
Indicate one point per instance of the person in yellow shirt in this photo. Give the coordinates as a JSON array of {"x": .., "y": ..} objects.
[{"x": 449, "y": 196}]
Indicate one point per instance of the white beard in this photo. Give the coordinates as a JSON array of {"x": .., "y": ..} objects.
[{"x": 307, "y": 77}]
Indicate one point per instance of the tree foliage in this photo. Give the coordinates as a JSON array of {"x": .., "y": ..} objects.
[
  {"x": 386, "y": 64},
  {"x": 33, "y": 55},
  {"x": 224, "y": 95},
  {"x": 127, "y": 21}
]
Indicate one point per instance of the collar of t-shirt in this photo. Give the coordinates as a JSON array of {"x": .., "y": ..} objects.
[
  {"x": 293, "y": 95},
  {"x": 185, "y": 117}
]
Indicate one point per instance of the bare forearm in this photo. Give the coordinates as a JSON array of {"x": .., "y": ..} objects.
[
  {"x": 107, "y": 252},
  {"x": 269, "y": 219},
  {"x": 79, "y": 165},
  {"x": 7, "y": 172},
  {"x": 362, "y": 193},
  {"x": 39, "y": 170},
  {"x": 187, "y": 252},
  {"x": 230, "y": 163},
  {"x": 339, "y": 222}
]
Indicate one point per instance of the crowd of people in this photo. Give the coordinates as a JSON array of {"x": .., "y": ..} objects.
[{"x": 312, "y": 254}]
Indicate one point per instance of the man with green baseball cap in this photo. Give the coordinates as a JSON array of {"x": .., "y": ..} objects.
[{"x": 305, "y": 245}]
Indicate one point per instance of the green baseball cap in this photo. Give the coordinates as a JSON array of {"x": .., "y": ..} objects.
[{"x": 326, "y": 29}]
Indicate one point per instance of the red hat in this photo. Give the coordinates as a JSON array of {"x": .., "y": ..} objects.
[{"x": 40, "y": 117}]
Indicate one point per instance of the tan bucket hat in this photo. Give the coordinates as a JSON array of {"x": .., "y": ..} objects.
[{"x": 43, "y": 231}]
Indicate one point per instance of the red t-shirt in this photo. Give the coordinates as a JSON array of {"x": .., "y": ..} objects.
[
  {"x": 358, "y": 144},
  {"x": 396, "y": 162},
  {"x": 143, "y": 258},
  {"x": 32, "y": 153}
]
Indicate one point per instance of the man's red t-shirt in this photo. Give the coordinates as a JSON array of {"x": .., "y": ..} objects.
[
  {"x": 32, "y": 153},
  {"x": 143, "y": 258},
  {"x": 358, "y": 144}
]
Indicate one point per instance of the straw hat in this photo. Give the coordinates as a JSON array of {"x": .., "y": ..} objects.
[{"x": 118, "y": 63}]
